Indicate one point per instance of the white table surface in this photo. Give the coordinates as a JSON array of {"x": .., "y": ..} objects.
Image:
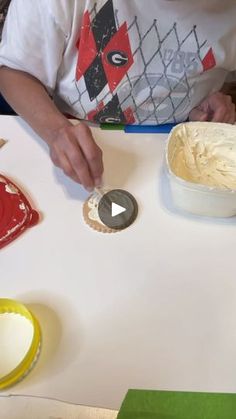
[
  {"x": 31, "y": 407},
  {"x": 151, "y": 307}
]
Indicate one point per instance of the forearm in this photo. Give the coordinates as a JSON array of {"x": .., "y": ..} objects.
[
  {"x": 29, "y": 99},
  {"x": 72, "y": 148}
]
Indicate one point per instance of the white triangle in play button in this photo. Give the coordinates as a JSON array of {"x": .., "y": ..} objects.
[{"x": 116, "y": 209}]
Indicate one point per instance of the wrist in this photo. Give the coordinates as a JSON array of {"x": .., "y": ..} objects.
[{"x": 55, "y": 127}]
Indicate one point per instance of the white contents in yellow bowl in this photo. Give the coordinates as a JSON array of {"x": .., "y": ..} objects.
[
  {"x": 204, "y": 153},
  {"x": 16, "y": 337}
]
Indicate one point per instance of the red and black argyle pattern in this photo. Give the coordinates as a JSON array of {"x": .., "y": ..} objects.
[{"x": 107, "y": 57}]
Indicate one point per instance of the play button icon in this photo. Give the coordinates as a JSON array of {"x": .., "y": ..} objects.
[{"x": 117, "y": 209}]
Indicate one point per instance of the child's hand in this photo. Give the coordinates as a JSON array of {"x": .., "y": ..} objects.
[
  {"x": 217, "y": 107},
  {"x": 74, "y": 150}
]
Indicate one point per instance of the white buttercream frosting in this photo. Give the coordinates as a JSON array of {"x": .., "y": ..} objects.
[
  {"x": 204, "y": 153},
  {"x": 11, "y": 189},
  {"x": 93, "y": 206}
]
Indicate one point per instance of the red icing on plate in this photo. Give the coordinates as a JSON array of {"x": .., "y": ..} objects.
[{"x": 16, "y": 213}]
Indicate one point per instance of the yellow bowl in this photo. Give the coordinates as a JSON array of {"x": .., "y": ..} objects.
[{"x": 28, "y": 361}]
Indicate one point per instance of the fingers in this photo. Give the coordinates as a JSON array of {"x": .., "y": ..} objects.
[
  {"x": 222, "y": 108},
  {"x": 218, "y": 107},
  {"x": 92, "y": 154},
  {"x": 61, "y": 161},
  {"x": 79, "y": 164},
  {"x": 198, "y": 115},
  {"x": 76, "y": 153},
  {"x": 232, "y": 115}
]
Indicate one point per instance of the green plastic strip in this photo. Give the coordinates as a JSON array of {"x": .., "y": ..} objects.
[
  {"x": 112, "y": 127},
  {"x": 145, "y": 404}
]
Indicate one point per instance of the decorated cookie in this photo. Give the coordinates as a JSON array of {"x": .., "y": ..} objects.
[
  {"x": 16, "y": 214},
  {"x": 111, "y": 211},
  {"x": 91, "y": 215}
]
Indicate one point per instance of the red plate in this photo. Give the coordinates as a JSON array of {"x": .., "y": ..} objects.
[{"x": 16, "y": 213}]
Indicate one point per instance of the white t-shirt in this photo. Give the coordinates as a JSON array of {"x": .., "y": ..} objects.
[{"x": 122, "y": 61}]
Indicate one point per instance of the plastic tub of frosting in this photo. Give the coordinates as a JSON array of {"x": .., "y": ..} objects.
[{"x": 201, "y": 167}]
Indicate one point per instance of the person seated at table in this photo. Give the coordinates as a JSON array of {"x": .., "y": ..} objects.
[
  {"x": 5, "y": 109},
  {"x": 114, "y": 61},
  {"x": 4, "y": 5}
]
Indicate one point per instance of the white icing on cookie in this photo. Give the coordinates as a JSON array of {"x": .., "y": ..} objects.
[{"x": 93, "y": 206}]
